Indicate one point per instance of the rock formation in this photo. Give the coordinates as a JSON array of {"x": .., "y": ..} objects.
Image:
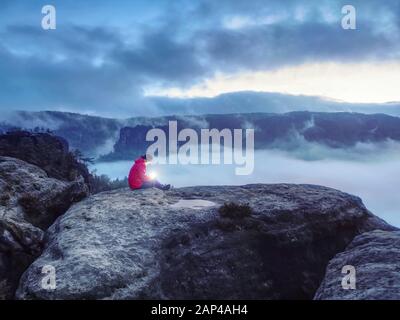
[
  {"x": 269, "y": 242},
  {"x": 29, "y": 202},
  {"x": 31, "y": 198},
  {"x": 375, "y": 257},
  {"x": 46, "y": 151}
]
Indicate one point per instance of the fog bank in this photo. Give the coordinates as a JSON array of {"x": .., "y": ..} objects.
[{"x": 375, "y": 179}]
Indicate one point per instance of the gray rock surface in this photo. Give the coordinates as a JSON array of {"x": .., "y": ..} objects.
[
  {"x": 152, "y": 244},
  {"x": 29, "y": 202},
  {"x": 375, "y": 256}
]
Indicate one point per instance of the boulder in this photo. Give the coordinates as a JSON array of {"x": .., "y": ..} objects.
[
  {"x": 48, "y": 152},
  {"x": 268, "y": 242},
  {"x": 29, "y": 202},
  {"x": 375, "y": 257}
]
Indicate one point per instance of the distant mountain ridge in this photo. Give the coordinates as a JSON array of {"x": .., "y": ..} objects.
[
  {"x": 278, "y": 131},
  {"x": 236, "y": 102},
  {"x": 265, "y": 102},
  {"x": 119, "y": 139}
]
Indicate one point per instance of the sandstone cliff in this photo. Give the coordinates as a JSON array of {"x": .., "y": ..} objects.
[
  {"x": 274, "y": 243},
  {"x": 30, "y": 201}
]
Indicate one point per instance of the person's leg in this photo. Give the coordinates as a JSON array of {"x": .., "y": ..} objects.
[
  {"x": 147, "y": 184},
  {"x": 155, "y": 184},
  {"x": 158, "y": 185}
]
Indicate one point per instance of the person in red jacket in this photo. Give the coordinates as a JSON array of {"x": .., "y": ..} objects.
[{"x": 137, "y": 176}]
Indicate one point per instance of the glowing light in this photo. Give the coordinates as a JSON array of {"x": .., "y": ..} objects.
[{"x": 152, "y": 175}]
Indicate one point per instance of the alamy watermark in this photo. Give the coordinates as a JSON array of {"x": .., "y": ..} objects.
[
  {"x": 349, "y": 280},
  {"x": 49, "y": 21},
  {"x": 48, "y": 282},
  {"x": 349, "y": 20},
  {"x": 206, "y": 149}
]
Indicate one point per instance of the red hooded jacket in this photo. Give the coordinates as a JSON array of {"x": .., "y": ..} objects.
[{"x": 137, "y": 175}]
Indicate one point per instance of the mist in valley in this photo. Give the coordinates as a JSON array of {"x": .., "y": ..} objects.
[{"x": 370, "y": 171}]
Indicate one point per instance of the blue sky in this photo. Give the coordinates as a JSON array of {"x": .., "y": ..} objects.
[{"x": 108, "y": 57}]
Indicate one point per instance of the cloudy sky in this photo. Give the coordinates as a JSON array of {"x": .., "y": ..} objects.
[{"x": 109, "y": 57}]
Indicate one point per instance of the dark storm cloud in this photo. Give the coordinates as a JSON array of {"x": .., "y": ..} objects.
[
  {"x": 270, "y": 47},
  {"x": 162, "y": 57},
  {"x": 65, "y": 75},
  {"x": 72, "y": 41},
  {"x": 255, "y": 8},
  {"x": 85, "y": 66}
]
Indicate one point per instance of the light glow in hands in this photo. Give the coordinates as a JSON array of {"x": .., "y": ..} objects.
[{"x": 152, "y": 175}]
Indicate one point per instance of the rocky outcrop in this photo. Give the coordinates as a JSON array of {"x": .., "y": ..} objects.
[
  {"x": 46, "y": 151},
  {"x": 272, "y": 242},
  {"x": 29, "y": 202},
  {"x": 375, "y": 257}
]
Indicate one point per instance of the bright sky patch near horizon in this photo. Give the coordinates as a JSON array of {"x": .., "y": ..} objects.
[{"x": 355, "y": 82}]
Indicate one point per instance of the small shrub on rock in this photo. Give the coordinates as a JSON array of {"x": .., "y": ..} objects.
[{"x": 235, "y": 211}]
